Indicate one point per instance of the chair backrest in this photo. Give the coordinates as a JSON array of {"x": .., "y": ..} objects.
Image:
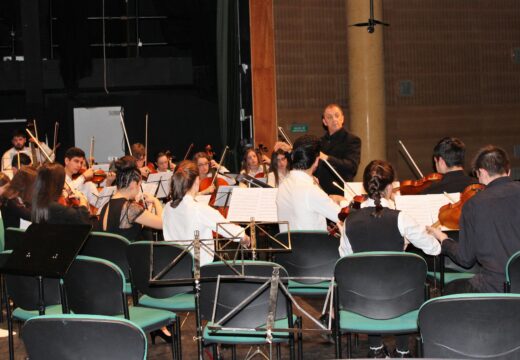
[
  {"x": 13, "y": 237},
  {"x": 95, "y": 286},
  {"x": 108, "y": 246},
  {"x": 23, "y": 290},
  {"x": 139, "y": 258},
  {"x": 513, "y": 273},
  {"x": 476, "y": 326},
  {"x": 233, "y": 291},
  {"x": 380, "y": 285},
  {"x": 314, "y": 253},
  {"x": 85, "y": 337}
]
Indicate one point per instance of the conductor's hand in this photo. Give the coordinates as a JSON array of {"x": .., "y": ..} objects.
[{"x": 246, "y": 241}]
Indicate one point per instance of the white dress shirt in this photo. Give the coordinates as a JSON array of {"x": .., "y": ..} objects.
[
  {"x": 88, "y": 188},
  {"x": 271, "y": 180},
  {"x": 304, "y": 204},
  {"x": 9, "y": 155},
  {"x": 409, "y": 228},
  {"x": 180, "y": 223}
]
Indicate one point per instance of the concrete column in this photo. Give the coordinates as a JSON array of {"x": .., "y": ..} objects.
[{"x": 366, "y": 81}]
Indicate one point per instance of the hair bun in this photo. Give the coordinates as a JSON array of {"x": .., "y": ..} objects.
[{"x": 126, "y": 163}]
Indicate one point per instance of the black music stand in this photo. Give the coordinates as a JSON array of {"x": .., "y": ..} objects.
[{"x": 45, "y": 251}]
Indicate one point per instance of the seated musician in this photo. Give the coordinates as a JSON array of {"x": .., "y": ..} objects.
[
  {"x": 251, "y": 165},
  {"x": 46, "y": 206},
  {"x": 448, "y": 156},
  {"x": 163, "y": 163},
  {"x": 139, "y": 153},
  {"x": 300, "y": 200},
  {"x": 20, "y": 160},
  {"x": 19, "y": 140},
  {"x": 489, "y": 225},
  {"x": 280, "y": 164},
  {"x": 183, "y": 215},
  {"x": 123, "y": 214},
  {"x": 376, "y": 227},
  {"x": 205, "y": 166},
  {"x": 4, "y": 183},
  {"x": 74, "y": 162},
  {"x": 17, "y": 197}
]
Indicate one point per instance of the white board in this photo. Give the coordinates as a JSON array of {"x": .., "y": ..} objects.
[{"x": 105, "y": 125}]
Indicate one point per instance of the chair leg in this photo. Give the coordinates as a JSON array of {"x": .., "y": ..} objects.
[
  {"x": 418, "y": 346},
  {"x": 349, "y": 345},
  {"x": 179, "y": 337},
  {"x": 234, "y": 352},
  {"x": 171, "y": 329},
  {"x": 215, "y": 354},
  {"x": 278, "y": 351},
  {"x": 9, "y": 325},
  {"x": 300, "y": 338}
]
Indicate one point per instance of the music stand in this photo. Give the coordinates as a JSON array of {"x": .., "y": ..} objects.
[
  {"x": 163, "y": 181},
  {"x": 45, "y": 251},
  {"x": 223, "y": 196}
]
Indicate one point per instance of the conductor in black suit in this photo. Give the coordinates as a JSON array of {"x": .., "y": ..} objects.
[{"x": 340, "y": 148}]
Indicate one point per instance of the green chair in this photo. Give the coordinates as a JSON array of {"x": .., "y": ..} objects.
[
  {"x": 378, "y": 293},
  {"x": 314, "y": 254},
  {"x": 96, "y": 286},
  {"x": 512, "y": 283},
  {"x": 471, "y": 326},
  {"x": 253, "y": 315},
  {"x": 87, "y": 337},
  {"x": 111, "y": 247}
]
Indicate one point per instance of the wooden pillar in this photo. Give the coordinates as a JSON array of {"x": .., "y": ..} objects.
[
  {"x": 263, "y": 72},
  {"x": 366, "y": 81}
]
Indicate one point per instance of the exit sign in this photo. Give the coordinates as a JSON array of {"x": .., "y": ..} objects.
[{"x": 299, "y": 128}]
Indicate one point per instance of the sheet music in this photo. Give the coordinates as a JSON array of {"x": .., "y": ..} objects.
[
  {"x": 163, "y": 181},
  {"x": 424, "y": 208},
  {"x": 222, "y": 193},
  {"x": 24, "y": 224},
  {"x": 149, "y": 187},
  {"x": 203, "y": 199},
  {"x": 257, "y": 203}
]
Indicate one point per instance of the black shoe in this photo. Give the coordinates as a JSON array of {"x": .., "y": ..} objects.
[
  {"x": 166, "y": 338},
  {"x": 401, "y": 354},
  {"x": 380, "y": 353}
]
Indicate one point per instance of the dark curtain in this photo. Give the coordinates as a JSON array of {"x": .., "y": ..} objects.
[{"x": 228, "y": 77}]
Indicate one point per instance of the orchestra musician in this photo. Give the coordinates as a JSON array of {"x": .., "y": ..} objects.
[
  {"x": 204, "y": 163},
  {"x": 139, "y": 153},
  {"x": 489, "y": 225},
  {"x": 48, "y": 189},
  {"x": 280, "y": 164},
  {"x": 251, "y": 165},
  {"x": 4, "y": 183},
  {"x": 21, "y": 159},
  {"x": 448, "y": 156},
  {"x": 184, "y": 215},
  {"x": 340, "y": 148},
  {"x": 17, "y": 197},
  {"x": 123, "y": 214},
  {"x": 163, "y": 163},
  {"x": 19, "y": 140},
  {"x": 300, "y": 200}
]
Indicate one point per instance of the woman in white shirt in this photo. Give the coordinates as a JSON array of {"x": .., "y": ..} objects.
[{"x": 184, "y": 215}]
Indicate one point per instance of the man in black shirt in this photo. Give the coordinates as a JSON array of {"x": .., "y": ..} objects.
[
  {"x": 448, "y": 156},
  {"x": 340, "y": 148},
  {"x": 489, "y": 225}
]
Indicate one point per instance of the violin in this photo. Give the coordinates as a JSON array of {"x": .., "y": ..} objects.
[
  {"x": 414, "y": 187},
  {"x": 68, "y": 199},
  {"x": 449, "y": 214},
  {"x": 345, "y": 212}
]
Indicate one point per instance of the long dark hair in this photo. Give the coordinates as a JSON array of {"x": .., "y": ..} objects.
[
  {"x": 377, "y": 176},
  {"x": 47, "y": 189},
  {"x": 22, "y": 184},
  {"x": 244, "y": 159},
  {"x": 182, "y": 181},
  {"x": 274, "y": 163},
  {"x": 126, "y": 172}
]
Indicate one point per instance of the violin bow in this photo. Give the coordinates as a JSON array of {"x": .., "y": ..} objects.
[
  {"x": 409, "y": 157},
  {"x": 38, "y": 144},
  {"x": 222, "y": 157},
  {"x": 122, "y": 118},
  {"x": 146, "y": 140},
  {"x": 188, "y": 151},
  {"x": 284, "y": 135}
]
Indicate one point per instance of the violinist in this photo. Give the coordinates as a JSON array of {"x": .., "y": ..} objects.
[
  {"x": 203, "y": 162},
  {"x": 280, "y": 164},
  {"x": 448, "y": 156},
  {"x": 339, "y": 147},
  {"x": 17, "y": 197},
  {"x": 376, "y": 227},
  {"x": 251, "y": 165},
  {"x": 19, "y": 140},
  {"x": 48, "y": 189},
  {"x": 299, "y": 200},
  {"x": 489, "y": 225},
  {"x": 123, "y": 214},
  {"x": 163, "y": 163},
  {"x": 139, "y": 153},
  {"x": 184, "y": 215}
]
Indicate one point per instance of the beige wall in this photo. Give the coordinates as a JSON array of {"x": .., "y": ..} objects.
[{"x": 458, "y": 55}]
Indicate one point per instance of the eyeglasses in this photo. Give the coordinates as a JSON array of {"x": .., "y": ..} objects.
[{"x": 202, "y": 165}]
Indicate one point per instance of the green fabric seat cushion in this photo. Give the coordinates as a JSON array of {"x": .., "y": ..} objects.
[
  {"x": 246, "y": 337},
  {"x": 128, "y": 288},
  {"x": 149, "y": 319},
  {"x": 298, "y": 288},
  {"x": 179, "y": 302},
  {"x": 451, "y": 276},
  {"x": 354, "y": 323},
  {"x": 24, "y": 315}
]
